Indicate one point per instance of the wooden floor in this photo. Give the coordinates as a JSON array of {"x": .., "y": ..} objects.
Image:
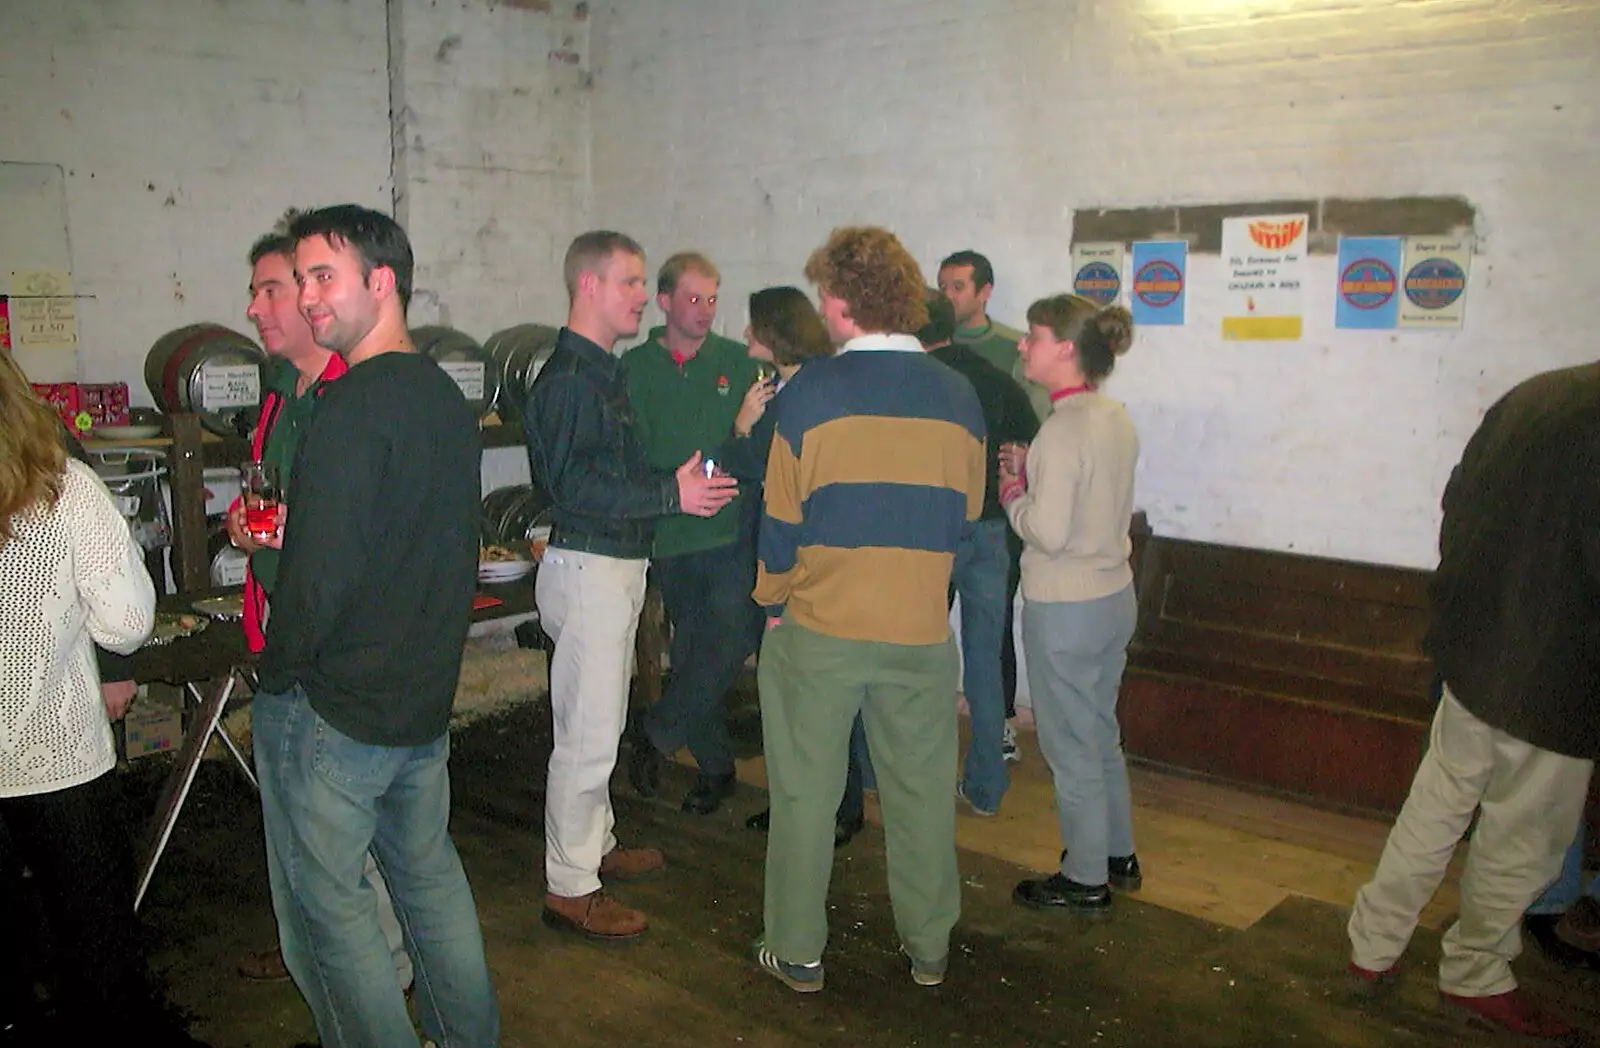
[{"x": 1212, "y": 851}]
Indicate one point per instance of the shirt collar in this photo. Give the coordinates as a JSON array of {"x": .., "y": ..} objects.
[{"x": 878, "y": 342}]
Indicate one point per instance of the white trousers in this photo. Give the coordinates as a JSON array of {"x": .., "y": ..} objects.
[
  {"x": 589, "y": 605},
  {"x": 1529, "y": 800}
]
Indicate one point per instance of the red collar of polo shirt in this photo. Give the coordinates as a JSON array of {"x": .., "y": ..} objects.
[{"x": 1062, "y": 394}]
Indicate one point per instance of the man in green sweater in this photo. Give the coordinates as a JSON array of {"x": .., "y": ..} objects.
[
  {"x": 967, "y": 279},
  {"x": 685, "y": 385}
]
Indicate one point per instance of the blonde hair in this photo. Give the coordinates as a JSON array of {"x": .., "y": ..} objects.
[{"x": 32, "y": 456}]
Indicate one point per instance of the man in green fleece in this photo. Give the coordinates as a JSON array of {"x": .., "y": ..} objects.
[
  {"x": 685, "y": 385},
  {"x": 967, "y": 279}
]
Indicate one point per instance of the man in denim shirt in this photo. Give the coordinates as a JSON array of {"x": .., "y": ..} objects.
[{"x": 583, "y": 451}]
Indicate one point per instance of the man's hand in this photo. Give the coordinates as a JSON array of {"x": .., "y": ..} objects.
[
  {"x": 700, "y": 495},
  {"x": 236, "y": 530},
  {"x": 754, "y": 405},
  {"x": 116, "y": 695}
]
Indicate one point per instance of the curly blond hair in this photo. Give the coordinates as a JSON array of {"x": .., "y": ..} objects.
[
  {"x": 32, "y": 455},
  {"x": 874, "y": 274}
]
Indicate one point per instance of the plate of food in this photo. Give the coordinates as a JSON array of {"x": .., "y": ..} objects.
[
  {"x": 500, "y": 563},
  {"x": 172, "y": 625},
  {"x": 227, "y": 607}
]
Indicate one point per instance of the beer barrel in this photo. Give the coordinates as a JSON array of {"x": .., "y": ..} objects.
[
  {"x": 210, "y": 370},
  {"x": 519, "y": 352},
  {"x": 459, "y": 354},
  {"x": 516, "y": 514}
]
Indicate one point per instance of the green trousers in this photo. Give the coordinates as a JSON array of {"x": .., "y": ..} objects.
[{"x": 812, "y": 687}]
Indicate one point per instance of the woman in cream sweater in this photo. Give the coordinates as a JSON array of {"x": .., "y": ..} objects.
[
  {"x": 71, "y": 576},
  {"x": 1069, "y": 495}
]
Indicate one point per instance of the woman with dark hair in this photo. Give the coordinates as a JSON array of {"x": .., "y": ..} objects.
[
  {"x": 71, "y": 576},
  {"x": 1069, "y": 495},
  {"x": 785, "y": 331}
]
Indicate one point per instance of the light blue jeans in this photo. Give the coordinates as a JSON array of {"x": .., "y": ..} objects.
[
  {"x": 979, "y": 579},
  {"x": 326, "y": 800},
  {"x": 1076, "y": 653},
  {"x": 1568, "y": 887}
]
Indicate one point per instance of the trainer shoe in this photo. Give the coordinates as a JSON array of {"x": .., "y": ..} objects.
[
  {"x": 1513, "y": 1010},
  {"x": 1008, "y": 744},
  {"x": 801, "y": 978}
]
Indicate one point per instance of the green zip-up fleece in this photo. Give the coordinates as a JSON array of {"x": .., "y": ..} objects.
[{"x": 679, "y": 411}]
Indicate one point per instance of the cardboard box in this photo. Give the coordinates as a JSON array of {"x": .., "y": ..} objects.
[
  {"x": 154, "y": 721},
  {"x": 67, "y": 399},
  {"x": 106, "y": 403}
]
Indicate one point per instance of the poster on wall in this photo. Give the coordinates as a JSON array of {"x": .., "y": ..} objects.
[
  {"x": 1368, "y": 293},
  {"x": 1097, "y": 271},
  {"x": 1434, "y": 288},
  {"x": 43, "y": 314},
  {"x": 1160, "y": 268},
  {"x": 1265, "y": 260}
]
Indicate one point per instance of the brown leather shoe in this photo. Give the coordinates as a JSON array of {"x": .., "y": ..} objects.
[
  {"x": 593, "y": 916},
  {"x": 264, "y": 966},
  {"x": 631, "y": 864}
]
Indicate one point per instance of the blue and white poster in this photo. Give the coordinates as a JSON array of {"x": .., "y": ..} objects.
[
  {"x": 1160, "y": 270},
  {"x": 1368, "y": 293},
  {"x": 1097, "y": 271}
]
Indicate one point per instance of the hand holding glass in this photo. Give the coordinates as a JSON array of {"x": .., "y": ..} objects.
[{"x": 262, "y": 495}]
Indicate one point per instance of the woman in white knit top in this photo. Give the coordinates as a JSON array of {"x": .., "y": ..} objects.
[
  {"x": 71, "y": 576},
  {"x": 1069, "y": 495}
]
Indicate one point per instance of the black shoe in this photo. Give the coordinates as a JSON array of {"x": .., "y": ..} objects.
[
  {"x": 1541, "y": 928},
  {"x": 845, "y": 829},
  {"x": 709, "y": 792},
  {"x": 1056, "y": 892},
  {"x": 761, "y": 821},
  {"x": 1124, "y": 871},
  {"x": 644, "y": 767}
]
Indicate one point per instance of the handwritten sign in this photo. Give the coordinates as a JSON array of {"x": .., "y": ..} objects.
[
  {"x": 466, "y": 374},
  {"x": 42, "y": 312},
  {"x": 1265, "y": 261},
  {"x": 224, "y": 386}
]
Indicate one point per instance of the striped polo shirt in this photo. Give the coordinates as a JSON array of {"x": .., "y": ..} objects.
[{"x": 876, "y": 471}]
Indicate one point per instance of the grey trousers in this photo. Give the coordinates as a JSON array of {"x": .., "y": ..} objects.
[{"x": 1076, "y": 653}]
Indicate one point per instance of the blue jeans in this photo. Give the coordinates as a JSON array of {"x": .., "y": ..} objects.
[
  {"x": 1568, "y": 887},
  {"x": 1077, "y": 651},
  {"x": 326, "y": 800},
  {"x": 715, "y": 626},
  {"x": 979, "y": 579}
]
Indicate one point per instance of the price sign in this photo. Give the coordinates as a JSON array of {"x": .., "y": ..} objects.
[{"x": 225, "y": 386}]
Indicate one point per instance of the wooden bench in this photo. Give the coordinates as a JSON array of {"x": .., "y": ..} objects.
[{"x": 1296, "y": 674}]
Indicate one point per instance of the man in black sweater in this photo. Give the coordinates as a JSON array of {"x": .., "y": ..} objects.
[
  {"x": 584, "y": 451},
  {"x": 979, "y": 576},
  {"x": 363, "y": 649},
  {"x": 1516, "y": 610}
]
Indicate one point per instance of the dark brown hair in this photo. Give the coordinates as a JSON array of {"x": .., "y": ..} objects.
[
  {"x": 874, "y": 274},
  {"x": 1101, "y": 333},
  {"x": 784, "y": 320}
]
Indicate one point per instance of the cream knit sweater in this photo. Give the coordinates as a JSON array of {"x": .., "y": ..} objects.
[
  {"x": 1074, "y": 516},
  {"x": 69, "y": 578}
]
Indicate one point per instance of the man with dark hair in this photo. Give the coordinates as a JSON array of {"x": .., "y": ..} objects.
[
  {"x": 298, "y": 372},
  {"x": 982, "y": 561},
  {"x": 584, "y": 451},
  {"x": 966, "y": 279},
  {"x": 1516, "y": 734},
  {"x": 686, "y": 384},
  {"x": 876, "y": 472},
  {"x": 369, "y": 617}
]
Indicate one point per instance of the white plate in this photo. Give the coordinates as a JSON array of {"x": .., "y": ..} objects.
[
  {"x": 144, "y": 432},
  {"x": 227, "y": 607},
  {"x": 505, "y": 571}
]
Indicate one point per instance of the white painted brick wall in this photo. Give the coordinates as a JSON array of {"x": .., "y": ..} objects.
[
  {"x": 749, "y": 128},
  {"x": 495, "y": 157},
  {"x": 184, "y": 130}
]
